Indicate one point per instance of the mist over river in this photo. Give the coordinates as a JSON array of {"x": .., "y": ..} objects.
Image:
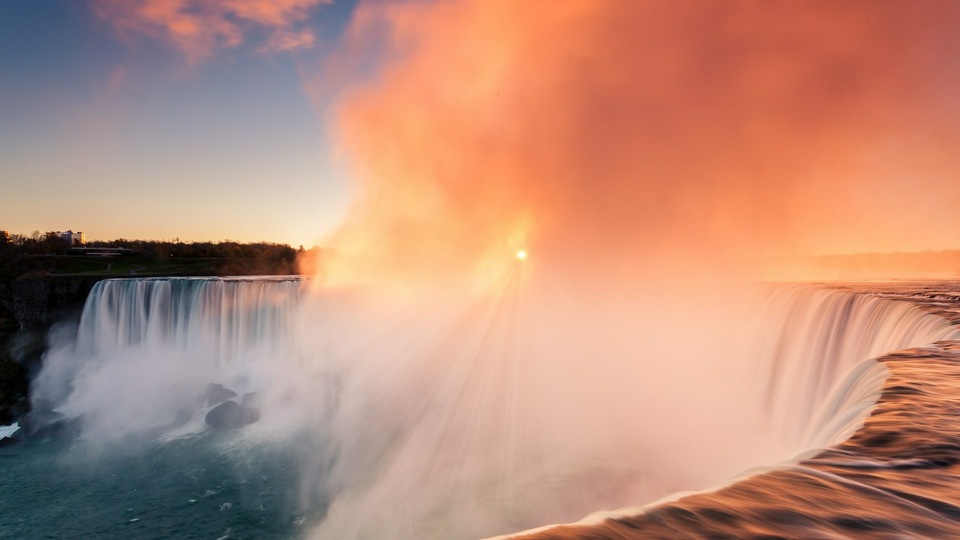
[{"x": 473, "y": 416}]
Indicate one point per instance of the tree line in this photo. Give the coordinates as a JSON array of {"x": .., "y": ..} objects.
[{"x": 48, "y": 252}]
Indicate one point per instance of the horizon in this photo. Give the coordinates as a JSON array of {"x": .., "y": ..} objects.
[
  {"x": 921, "y": 265},
  {"x": 318, "y": 246}
]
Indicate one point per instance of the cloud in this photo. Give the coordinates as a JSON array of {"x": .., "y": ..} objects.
[
  {"x": 200, "y": 28},
  {"x": 631, "y": 133}
]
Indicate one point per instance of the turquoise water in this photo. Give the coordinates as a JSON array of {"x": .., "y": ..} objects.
[{"x": 208, "y": 486}]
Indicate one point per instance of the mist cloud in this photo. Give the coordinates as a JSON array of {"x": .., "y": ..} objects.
[{"x": 635, "y": 134}]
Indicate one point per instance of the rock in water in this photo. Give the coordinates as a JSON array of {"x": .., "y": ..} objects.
[
  {"x": 46, "y": 424},
  {"x": 216, "y": 393},
  {"x": 250, "y": 399},
  {"x": 37, "y": 420},
  {"x": 231, "y": 415},
  {"x": 7, "y": 441}
]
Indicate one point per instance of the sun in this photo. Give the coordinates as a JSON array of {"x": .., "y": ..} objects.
[{"x": 522, "y": 254}]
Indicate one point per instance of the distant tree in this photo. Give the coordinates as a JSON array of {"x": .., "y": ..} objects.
[{"x": 52, "y": 244}]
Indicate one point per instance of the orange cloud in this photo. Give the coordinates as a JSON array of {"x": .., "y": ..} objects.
[
  {"x": 199, "y": 28},
  {"x": 629, "y": 135}
]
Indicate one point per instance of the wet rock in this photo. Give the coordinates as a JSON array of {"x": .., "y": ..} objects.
[
  {"x": 38, "y": 419},
  {"x": 217, "y": 393},
  {"x": 250, "y": 399},
  {"x": 231, "y": 415},
  {"x": 66, "y": 429},
  {"x": 8, "y": 441},
  {"x": 46, "y": 424}
]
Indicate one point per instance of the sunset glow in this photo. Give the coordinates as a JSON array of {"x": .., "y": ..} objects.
[
  {"x": 603, "y": 129},
  {"x": 630, "y": 146}
]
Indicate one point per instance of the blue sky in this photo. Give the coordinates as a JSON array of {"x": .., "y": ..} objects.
[{"x": 121, "y": 134}]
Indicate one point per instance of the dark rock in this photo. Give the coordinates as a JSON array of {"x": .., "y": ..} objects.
[
  {"x": 39, "y": 301},
  {"x": 250, "y": 399},
  {"x": 216, "y": 393},
  {"x": 14, "y": 386},
  {"x": 231, "y": 415},
  {"x": 37, "y": 420},
  {"x": 66, "y": 429},
  {"x": 46, "y": 424},
  {"x": 8, "y": 441}
]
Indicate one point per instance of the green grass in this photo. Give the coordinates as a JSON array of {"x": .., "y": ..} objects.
[{"x": 138, "y": 266}]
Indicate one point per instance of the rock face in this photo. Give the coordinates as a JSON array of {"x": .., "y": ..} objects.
[
  {"x": 14, "y": 386},
  {"x": 41, "y": 301},
  {"x": 231, "y": 415}
]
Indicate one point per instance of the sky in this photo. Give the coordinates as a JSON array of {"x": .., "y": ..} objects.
[
  {"x": 427, "y": 134},
  {"x": 117, "y": 126}
]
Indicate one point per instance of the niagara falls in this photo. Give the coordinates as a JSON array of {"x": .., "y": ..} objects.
[
  {"x": 479, "y": 269},
  {"x": 387, "y": 432}
]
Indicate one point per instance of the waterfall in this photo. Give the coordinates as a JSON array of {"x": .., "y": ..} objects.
[
  {"x": 221, "y": 320},
  {"x": 813, "y": 336},
  {"x": 813, "y": 371},
  {"x": 146, "y": 349},
  {"x": 580, "y": 415}
]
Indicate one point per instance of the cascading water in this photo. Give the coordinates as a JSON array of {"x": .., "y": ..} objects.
[
  {"x": 147, "y": 348},
  {"x": 819, "y": 335},
  {"x": 221, "y": 319},
  {"x": 465, "y": 425},
  {"x": 818, "y": 383}
]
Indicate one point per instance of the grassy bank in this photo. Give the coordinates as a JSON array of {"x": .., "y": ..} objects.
[{"x": 138, "y": 266}]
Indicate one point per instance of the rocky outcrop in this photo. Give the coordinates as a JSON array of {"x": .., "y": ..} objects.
[
  {"x": 45, "y": 424},
  {"x": 14, "y": 386},
  {"x": 231, "y": 415},
  {"x": 217, "y": 393},
  {"x": 8, "y": 441}
]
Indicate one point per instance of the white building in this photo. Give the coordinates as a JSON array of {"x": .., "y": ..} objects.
[{"x": 72, "y": 238}]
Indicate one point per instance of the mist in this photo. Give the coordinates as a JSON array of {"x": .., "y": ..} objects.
[
  {"x": 630, "y": 136},
  {"x": 652, "y": 159}
]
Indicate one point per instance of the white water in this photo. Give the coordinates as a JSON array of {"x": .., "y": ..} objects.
[
  {"x": 819, "y": 335},
  {"x": 6, "y": 431},
  {"x": 146, "y": 349},
  {"x": 478, "y": 416},
  {"x": 211, "y": 320},
  {"x": 815, "y": 384}
]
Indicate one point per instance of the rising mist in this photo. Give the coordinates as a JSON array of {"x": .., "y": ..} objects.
[{"x": 651, "y": 158}]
